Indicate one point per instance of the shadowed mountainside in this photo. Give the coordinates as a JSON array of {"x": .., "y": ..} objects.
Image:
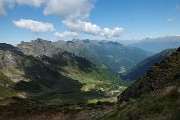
[
  {"x": 141, "y": 68},
  {"x": 63, "y": 77}
]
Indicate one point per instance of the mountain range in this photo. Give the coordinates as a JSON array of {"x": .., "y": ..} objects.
[
  {"x": 159, "y": 44},
  {"x": 58, "y": 72},
  {"x": 112, "y": 54},
  {"x": 41, "y": 80},
  {"x": 155, "y": 96},
  {"x": 63, "y": 77}
]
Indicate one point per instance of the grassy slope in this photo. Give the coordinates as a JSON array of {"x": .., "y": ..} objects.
[
  {"x": 25, "y": 109},
  {"x": 148, "y": 108},
  {"x": 155, "y": 96},
  {"x": 5, "y": 91}
]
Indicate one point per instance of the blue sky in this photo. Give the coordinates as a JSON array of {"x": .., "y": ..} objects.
[{"x": 25, "y": 20}]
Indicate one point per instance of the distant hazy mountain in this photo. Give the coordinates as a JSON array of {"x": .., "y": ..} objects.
[
  {"x": 141, "y": 68},
  {"x": 154, "y": 96},
  {"x": 66, "y": 77},
  {"x": 156, "y": 45},
  {"x": 112, "y": 54}
]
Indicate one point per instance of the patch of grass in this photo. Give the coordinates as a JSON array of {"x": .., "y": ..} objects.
[
  {"x": 5, "y": 86},
  {"x": 5, "y": 80},
  {"x": 111, "y": 99},
  {"x": 6, "y": 92},
  {"x": 73, "y": 97},
  {"x": 147, "y": 107},
  {"x": 99, "y": 79}
]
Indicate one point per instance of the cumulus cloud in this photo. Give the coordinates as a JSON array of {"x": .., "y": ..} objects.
[
  {"x": 81, "y": 26},
  {"x": 92, "y": 29},
  {"x": 110, "y": 33},
  {"x": 9, "y": 3},
  {"x": 35, "y": 3},
  {"x": 78, "y": 21},
  {"x": 34, "y": 26},
  {"x": 75, "y": 13},
  {"x": 55, "y": 7},
  {"x": 67, "y": 7},
  {"x": 65, "y": 35},
  {"x": 170, "y": 20}
]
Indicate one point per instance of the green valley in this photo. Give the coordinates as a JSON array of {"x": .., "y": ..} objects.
[
  {"x": 56, "y": 78},
  {"x": 154, "y": 96}
]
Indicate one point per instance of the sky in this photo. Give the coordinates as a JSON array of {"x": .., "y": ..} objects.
[{"x": 26, "y": 20}]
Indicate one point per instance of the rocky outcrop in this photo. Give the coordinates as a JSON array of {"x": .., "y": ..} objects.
[
  {"x": 8, "y": 54},
  {"x": 38, "y": 47}
]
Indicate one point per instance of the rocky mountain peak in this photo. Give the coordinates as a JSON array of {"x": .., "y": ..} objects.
[{"x": 38, "y": 47}]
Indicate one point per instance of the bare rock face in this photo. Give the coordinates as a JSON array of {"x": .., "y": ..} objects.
[
  {"x": 8, "y": 55},
  {"x": 162, "y": 75},
  {"x": 37, "y": 47}
]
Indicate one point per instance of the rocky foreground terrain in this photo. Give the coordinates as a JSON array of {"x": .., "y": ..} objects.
[{"x": 24, "y": 109}]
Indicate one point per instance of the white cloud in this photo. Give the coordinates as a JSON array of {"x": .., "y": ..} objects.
[
  {"x": 34, "y": 26},
  {"x": 110, "y": 33},
  {"x": 170, "y": 20},
  {"x": 78, "y": 21},
  {"x": 81, "y": 26},
  {"x": 65, "y": 35},
  {"x": 66, "y": 7},
  {"x": 9, "y": 3},
  {"x": 55, "y": 7},
  {"x": 35, "y": 3},
  {"x": 92, "y": 29},
  {"x": 75, "y": 12}
]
